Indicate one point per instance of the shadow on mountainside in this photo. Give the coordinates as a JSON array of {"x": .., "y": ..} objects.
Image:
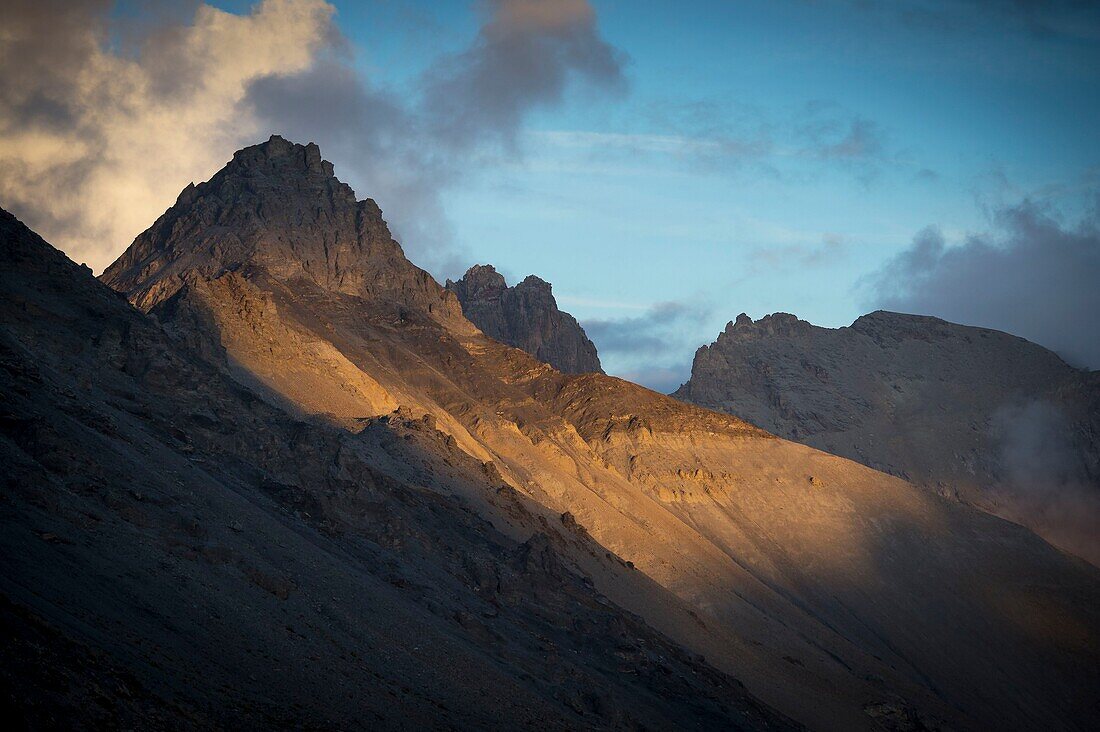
[{"x": 177, "y": 552}]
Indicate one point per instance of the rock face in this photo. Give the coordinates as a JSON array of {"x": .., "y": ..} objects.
[
  {"x": 265, "y": 539},
  {"x": 525, "y": 316},
  {"x": 971, "y": 412}
]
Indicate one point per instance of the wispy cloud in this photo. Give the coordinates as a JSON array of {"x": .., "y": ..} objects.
[
  {"x": 408, "y": 151},
  {"x": 831, "y": 248},
  {"x": 713, "y": 138},
  {"x": 653, "y": 349},
  {"x": 650, "y": 143},
  {"x": 1046, "y": 477},
  {"x": 597, "y": 303}
]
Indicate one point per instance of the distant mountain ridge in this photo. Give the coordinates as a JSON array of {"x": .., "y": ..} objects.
[
  {"x": 952, "y": 407},
  {"x": 525, "y": 316}
]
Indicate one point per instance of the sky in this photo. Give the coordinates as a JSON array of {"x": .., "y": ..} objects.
[{"x": 666, "y": 165}]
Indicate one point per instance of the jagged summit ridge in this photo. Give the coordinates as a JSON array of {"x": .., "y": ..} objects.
[
  {"x": 277, "y": 208},
  {"x": 525, "y": 316},
  {"x": 745, "y": 326}
]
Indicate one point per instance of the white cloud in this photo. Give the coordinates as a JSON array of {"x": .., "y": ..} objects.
[{"x": 93, "y": 152}]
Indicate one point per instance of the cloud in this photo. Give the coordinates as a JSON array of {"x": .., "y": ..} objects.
[
  {"x": 859, "y": 139},
  {"x": 106, "y": 117},
  {"x": 524, "y": 57},
  {"x": 662, "y": 379},
  {"x": 926, "y": 175},
  {"x": 798, "y": 255},
  {"x": 1031, "y": 276},
  {"x": 653, "y": 349},
  {"x": 96, "y": 141},
  {"x": 704, "y": 136},
  {"x": 407, "y": 153}
]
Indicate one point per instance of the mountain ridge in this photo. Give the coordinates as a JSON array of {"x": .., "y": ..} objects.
[
  {"x": 944, "y": 405},
  {"x": 178, "y": 553},
  {"x": 836, "y": 593}
]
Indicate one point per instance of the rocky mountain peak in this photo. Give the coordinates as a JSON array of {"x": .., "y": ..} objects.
[
  {"x": 525, "y": 316},
  {"x": 278, "y": 153},
  {"x": 482, "y": 281},
  {"x": 535, "y": 283},
  {"x": 275, "y": 210},
  {"x": 769, "y": 325}
]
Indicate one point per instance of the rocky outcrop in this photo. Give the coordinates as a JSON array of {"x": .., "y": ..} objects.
[
  {"x": 525, "y": 316},
  {"x": 971, "y": 412}
]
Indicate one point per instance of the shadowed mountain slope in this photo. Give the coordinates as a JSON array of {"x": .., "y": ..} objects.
[
  {"x": 970, "y": 412},
  {"x": 177, "y": 553},
  {"x": 525, "y": 316},
  {"x": 844, "y": 597}
]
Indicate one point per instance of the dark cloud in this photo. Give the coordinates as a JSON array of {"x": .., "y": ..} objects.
[
  {"x": 524, "y": 57},
  {"x": 39, "y": 79},
  {"x": 648, "y": 334},
  {"x": 663, "y": 379},
  {"x": 654, "y": 348},
  {"x": 1031, "y": 276}
]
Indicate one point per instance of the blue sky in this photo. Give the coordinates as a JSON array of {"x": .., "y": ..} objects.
[
  {"x": 968, "y": 112},
  {"x": 702, "y": 159}
]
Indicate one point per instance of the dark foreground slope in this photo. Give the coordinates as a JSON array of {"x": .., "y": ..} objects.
[
  {"x": 844, "y": 597},
  {"x": 177, "y": 553},
  {"x": 525, "y": 316},
  {"x": 970, "y": 412}
]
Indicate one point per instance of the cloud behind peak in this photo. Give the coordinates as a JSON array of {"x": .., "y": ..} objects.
[{"x": 1031, "y": 275}]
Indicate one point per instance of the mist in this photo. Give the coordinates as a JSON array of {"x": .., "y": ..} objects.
[{"x": 1046, "y": 480}]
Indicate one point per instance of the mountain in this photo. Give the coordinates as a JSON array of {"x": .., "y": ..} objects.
[
  {"x": 178, "y": 553},
  {"x": 970, "y": 412},
  {"x": 448, "y": 478},
  {"x": 527, "y": 317}
]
